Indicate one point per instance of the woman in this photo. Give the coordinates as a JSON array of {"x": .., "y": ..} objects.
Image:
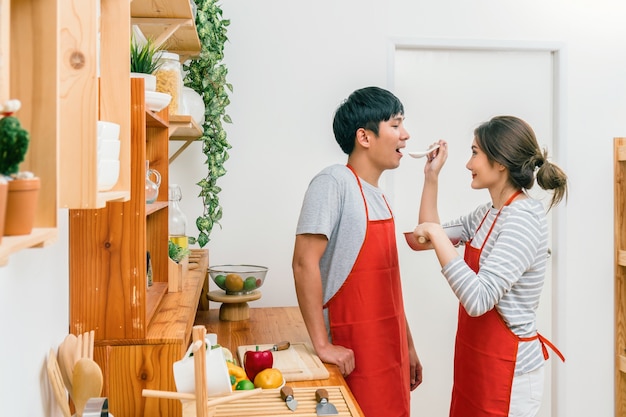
[{"x": 499, "y": 355}]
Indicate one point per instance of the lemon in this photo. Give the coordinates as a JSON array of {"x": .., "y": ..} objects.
[
  {"x": 268, "y": 378},
  {"x": 234, "y": 282}
]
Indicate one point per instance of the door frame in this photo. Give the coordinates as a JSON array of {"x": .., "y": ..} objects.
[{"x": 559, "y": 220}]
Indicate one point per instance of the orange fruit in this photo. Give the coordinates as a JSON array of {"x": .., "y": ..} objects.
[
  {"x": 234, "y": 282},
  {"x": 268, "y": 378}
]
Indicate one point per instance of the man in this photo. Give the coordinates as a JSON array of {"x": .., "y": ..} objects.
[{"x": 345, "y": 261}]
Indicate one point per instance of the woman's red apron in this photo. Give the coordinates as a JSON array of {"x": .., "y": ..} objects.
[
  {"x": 367, "y": 316},
  {"x": 485, "y": 354}
]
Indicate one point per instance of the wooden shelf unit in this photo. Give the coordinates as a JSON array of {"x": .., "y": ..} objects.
[
  {"x": 619, "y": 152},
  {"x": 140, "y": 331}
]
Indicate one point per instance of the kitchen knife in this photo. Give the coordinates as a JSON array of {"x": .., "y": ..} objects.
[
  {"x": 286, "y": 393},
  {"x": 324, "y": 408},
  {"x": 284, "y": 345}
]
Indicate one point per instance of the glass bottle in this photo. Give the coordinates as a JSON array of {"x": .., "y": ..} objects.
[
  {"x": 177, "y": 224},
  {"x": 152, "y": 187}
]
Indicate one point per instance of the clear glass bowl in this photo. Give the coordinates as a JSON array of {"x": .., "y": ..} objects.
[{"x": 238, "y": 279}]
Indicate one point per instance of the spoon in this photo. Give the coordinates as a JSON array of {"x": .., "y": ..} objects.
[
  {"x": 423, "y": 153},
  {"x": 86, "y": 382},
  {"x": 66, "y": 359}
]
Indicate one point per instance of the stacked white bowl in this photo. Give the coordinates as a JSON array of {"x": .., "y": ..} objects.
[{"x": 108, "y": 154}]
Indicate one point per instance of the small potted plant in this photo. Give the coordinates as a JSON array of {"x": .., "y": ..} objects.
[
  {"x": 23, "y": 187},
  {"x": 178, "y": 265},
  {"x": 144, "y": 61}
]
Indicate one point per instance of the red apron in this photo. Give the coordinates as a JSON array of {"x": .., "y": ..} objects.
[
  {"x": 485, "y": 354},
  {"x": 367, "y": 316}
]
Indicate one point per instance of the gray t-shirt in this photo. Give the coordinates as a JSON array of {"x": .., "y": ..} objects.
[{"x": 333, "y": 206}]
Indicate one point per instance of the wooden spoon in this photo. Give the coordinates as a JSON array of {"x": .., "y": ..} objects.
[
  {"x": 87, "y": 383},
  {"x": 66, "y": 359},
  {"x": 56, "y": 380}
]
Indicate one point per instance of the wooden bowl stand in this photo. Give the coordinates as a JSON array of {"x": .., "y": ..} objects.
[{"x": 234, "y": 307}]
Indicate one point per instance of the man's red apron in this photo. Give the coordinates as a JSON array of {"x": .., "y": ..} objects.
[
  {"x": 367, "y": 316},
  {"x": 485, "y": 354}
]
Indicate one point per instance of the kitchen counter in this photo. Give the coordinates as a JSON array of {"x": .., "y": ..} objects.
[{"x": 267, "y": 326}]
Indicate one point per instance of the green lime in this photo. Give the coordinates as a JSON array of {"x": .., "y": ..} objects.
[
  {"x": 249, "y": 284},
  {"x": 244, "y": 384},
  {"x": 220, "y": 280}
]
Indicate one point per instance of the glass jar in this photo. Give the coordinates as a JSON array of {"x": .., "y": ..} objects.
[
  {"x": 170, "y": 79},
  {"x": 152, "y": 187},
  {"x": 177, "y": 223}
]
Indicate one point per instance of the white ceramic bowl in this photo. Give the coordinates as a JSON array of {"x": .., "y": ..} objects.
[
  {"x": 108, "y": 130},
  {"x": 108, "y": 173},
  {"x": 156, "y": 101},
  {"x": 109, "y": 149},
  {"x": 194, "y": 105}
]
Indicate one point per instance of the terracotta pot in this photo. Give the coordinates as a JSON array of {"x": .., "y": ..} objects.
[
  {"x": 4, "y": 189},
  {"x": 21, "y": 206}
]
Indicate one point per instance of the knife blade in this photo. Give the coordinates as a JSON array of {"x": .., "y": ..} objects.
[
  {"x": 286, "y": 393},
  {"x": 324, "y": 407},
  {"x": 284, "y": 345}
]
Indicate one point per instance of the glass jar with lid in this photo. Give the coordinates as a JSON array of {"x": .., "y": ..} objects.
[{"x": 170, "y": 79}]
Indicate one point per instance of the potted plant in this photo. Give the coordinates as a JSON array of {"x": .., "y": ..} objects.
[
  {"x": 23, "y": 187},
  {"x": 206, "y": 74},
  {"x": 177, "y": 267},
  {"x": 144, "y": 60}
]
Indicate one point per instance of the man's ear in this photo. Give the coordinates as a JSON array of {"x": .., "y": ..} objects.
[{"x": 362, "y": 137}]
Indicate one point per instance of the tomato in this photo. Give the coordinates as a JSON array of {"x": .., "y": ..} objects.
[{"x": 268, "y": 378}]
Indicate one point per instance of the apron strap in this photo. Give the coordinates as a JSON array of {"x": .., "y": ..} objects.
[{"x": 544, "y": 342}]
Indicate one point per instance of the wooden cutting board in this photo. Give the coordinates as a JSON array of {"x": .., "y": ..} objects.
[
  {"x": 269, "y": 404},
  {"x": 298, "y": 363}
]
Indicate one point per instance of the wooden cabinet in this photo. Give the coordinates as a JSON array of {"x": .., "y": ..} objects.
[{"x": 619, "y": 153}]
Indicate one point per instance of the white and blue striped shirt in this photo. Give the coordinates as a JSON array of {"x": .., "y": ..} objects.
[{"x": 512, "y": 270}]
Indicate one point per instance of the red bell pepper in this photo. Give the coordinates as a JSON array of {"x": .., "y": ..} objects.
[{"x": 254, "y": 361}]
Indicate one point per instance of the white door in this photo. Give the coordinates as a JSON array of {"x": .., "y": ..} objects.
[{"x": 447, "y": 92}]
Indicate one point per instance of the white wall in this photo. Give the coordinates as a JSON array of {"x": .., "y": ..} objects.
[{"x": 291, "y": 63}]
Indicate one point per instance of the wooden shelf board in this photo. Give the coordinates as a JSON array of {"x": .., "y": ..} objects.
[
  {"x": 156, "y": 206},
  {"x": 169, "y": 23},
  {"x": 177, "y": 310},
  {"x": 154, "y": 295},
  {"x": 154, "y": 120},
  {"x": 183, "y": 127},
  {"x": 620, "y": 153},
  {"x": 38, "y": 238},
  {"x": 621, "y": 258}
]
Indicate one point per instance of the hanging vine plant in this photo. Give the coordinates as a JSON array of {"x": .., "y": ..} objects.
[{"x": 206, "y": 74}]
